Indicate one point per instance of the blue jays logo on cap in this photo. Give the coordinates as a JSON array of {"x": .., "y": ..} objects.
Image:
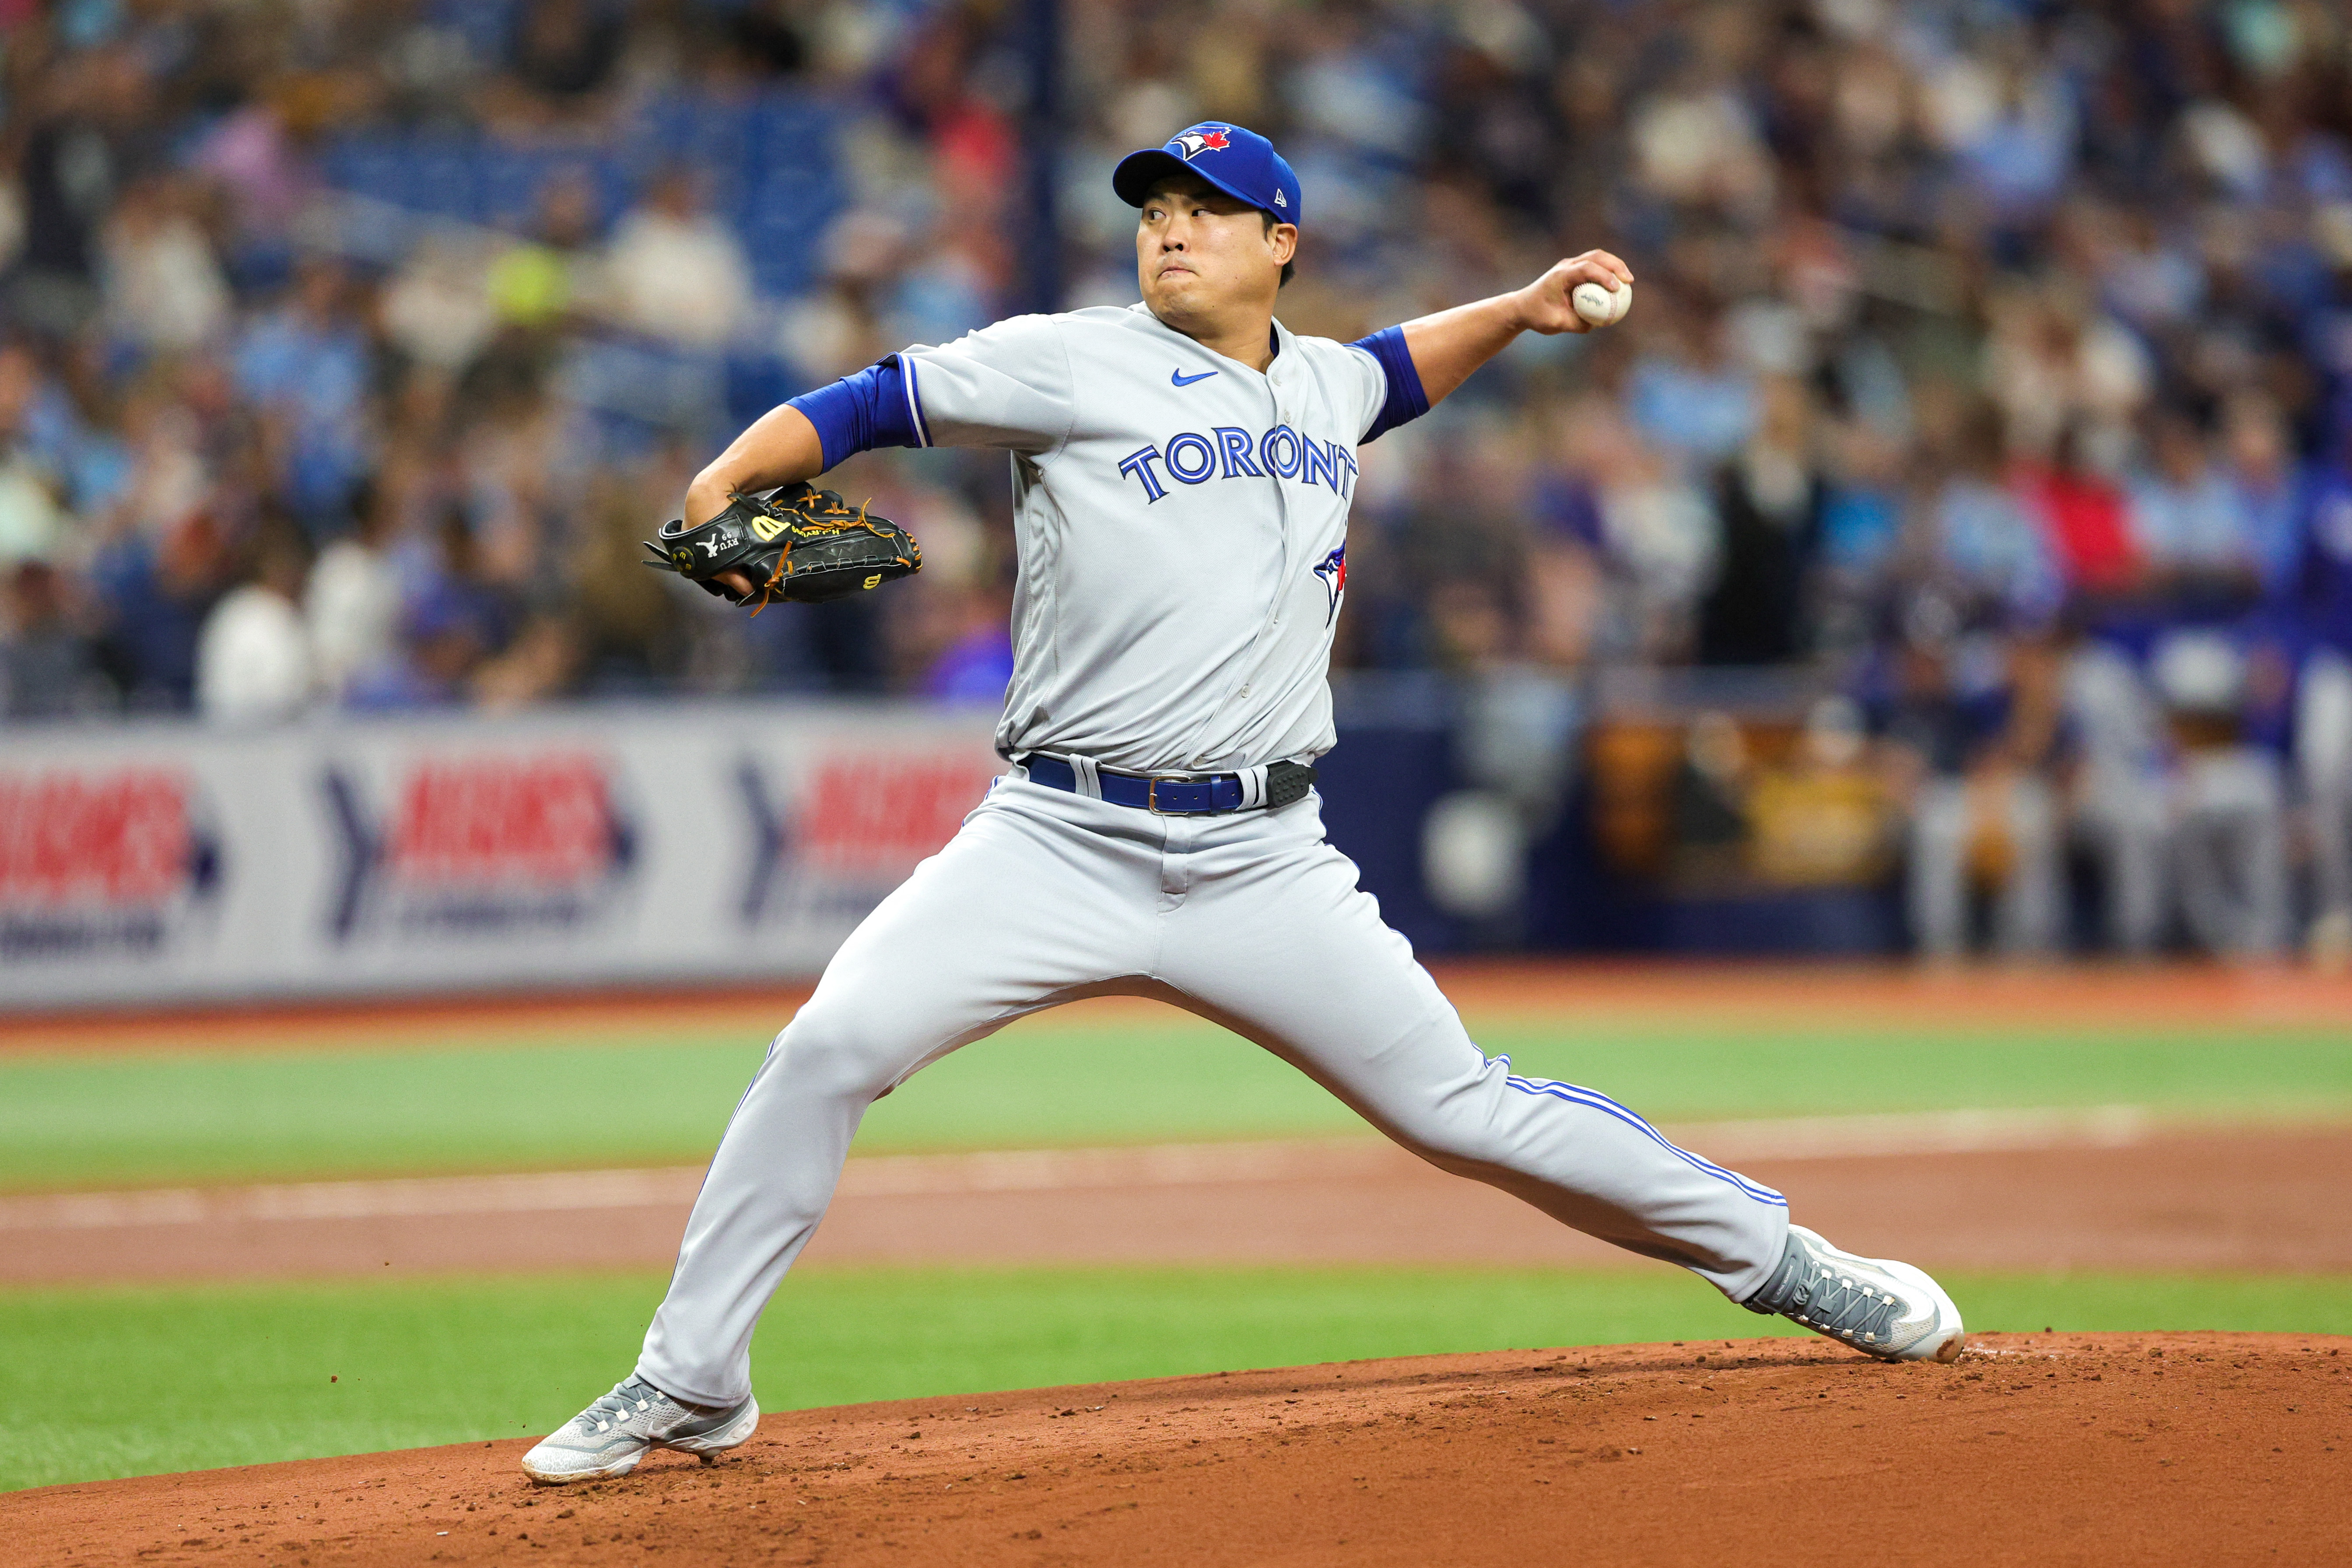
[
  {"x": 1235, "y": 160},
  {"x": 1204, "y": 139}
]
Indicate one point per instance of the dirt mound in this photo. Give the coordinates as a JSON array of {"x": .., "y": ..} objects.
[{"x": 2210, "y": 1448}]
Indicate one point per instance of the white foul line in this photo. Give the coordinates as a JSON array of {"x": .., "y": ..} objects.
[{"x": 1038, "y": 1170}]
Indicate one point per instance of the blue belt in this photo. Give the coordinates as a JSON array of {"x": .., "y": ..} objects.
[{"x": 1219, "y": 793}]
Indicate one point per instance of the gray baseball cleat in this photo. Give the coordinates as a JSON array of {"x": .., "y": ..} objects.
[
  {"x": 610, "y": 1436},
  {"x": 1876, "y": 1305}
]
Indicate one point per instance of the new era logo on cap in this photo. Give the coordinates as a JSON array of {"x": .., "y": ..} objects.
[{"x": 1237, "y": 160}]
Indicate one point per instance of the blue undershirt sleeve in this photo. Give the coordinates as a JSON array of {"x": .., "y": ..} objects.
[
  {"x": 1406, "y": 402},
  {"x": 862, "y": 411}
]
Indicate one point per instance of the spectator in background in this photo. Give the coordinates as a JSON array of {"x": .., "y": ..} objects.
[
  {"x": 534, "y": 285},
  {"x": 72, "y": 134},
  {"x": 674, "y": 273},
  {"x": 2082, "y": 515},
  {"x": 1965, "y": 738},
  {"x": 634, "y": 622},
  {"x": 257, "y": 161},
  {"x": 169, "y": 477},
  {"x": 156, "y": 588},
  {"x": 1566, "y": 575},
  {"x": 306, "y": 364},
  {"x": 976, "y": 666},
  {"x": 352, "y": 603},
  {"x": 542, "y": 663},
  {"x": 2010, "y": 113},
  {"x": 1821, "y": 820},
  {"x": 1769, "y": 507},
  {"x": 2258, "y": 466},
  {"x": 2320, "y": 600},
  {"x": 2323, "y": 758},
  {"x": 451, "y": 621},
  {"x": 32, "y": 525},
  {"x": 1986, "y": 545},
  {"x": 437, "y": 310},
  {"x": 1861, "y": 511},
  {"x": 48, "y": 666},
  {"x": 1689, "y": 395},
  {"x": 163, "y": 290},
  {"x": 565, "y": 51},
  {"x": 1659, "y": 538},
  {"x": 65, "y": 428},
  {"x": 254, "y": 663},
  {"x": 2119, "y": 791},
  {"x": 1708, "y": 801},
  {"x": 2229, "y": 811},
  {"x": 441, "y": 646},
  {"x": 2186, "y": 524},
  {"x": 2055, "y": 366}
]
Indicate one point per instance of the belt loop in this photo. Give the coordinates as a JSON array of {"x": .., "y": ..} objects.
[
  {"x": 1088, "y": 776},
  {"x": 1253, "y": 788}
]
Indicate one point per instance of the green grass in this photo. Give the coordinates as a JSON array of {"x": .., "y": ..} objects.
[
  {"x": 111, "y": 1382},
  {"x": 475, "y": 1105}
]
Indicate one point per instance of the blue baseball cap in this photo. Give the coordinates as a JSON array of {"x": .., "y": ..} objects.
[{"x": 1241, "y": 164}]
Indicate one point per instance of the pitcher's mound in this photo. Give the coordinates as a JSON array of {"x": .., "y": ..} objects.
[{"x": 2109, "y": 1449}]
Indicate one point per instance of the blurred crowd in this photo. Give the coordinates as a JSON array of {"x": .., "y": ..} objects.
[{"x": 1990, "y": 365}]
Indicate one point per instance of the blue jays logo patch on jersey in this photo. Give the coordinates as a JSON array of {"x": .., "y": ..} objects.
[
  {"x": 1192, "y": 144},
  {"x": 1334, "y": 573}
]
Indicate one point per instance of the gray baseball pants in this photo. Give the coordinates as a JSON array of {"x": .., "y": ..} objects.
[{"x": 1250, "y": 920}]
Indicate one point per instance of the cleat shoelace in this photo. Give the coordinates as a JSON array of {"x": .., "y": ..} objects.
[
  {"x": 1815, "y": 1292},
  {"x": 1844, "y": 1309},
  {"x": 612, "y": 1410}
]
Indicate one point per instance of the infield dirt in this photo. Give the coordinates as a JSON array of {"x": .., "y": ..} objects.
[
  {"x": 2129, "y": 1448},
  {"x": 2182, "y": 1198}
]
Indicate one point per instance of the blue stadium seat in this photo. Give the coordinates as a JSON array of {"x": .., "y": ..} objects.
[
  {"x": 510, "y": 179},
  {"x": 443, "y": 175},
  {"x": 775, "y": 154}
]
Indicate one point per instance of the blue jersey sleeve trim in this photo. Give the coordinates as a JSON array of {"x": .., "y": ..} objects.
[
  {"x": 1406, "y": 401},
  {"x": 920, "y": 426},
  {"x": 877, "y": 407}
]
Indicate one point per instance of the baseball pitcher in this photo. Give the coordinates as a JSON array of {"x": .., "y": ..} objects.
[{"x": 1181, "y": 474}]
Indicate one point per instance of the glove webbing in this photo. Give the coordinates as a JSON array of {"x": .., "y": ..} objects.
[{"x": 810, "y": 525}]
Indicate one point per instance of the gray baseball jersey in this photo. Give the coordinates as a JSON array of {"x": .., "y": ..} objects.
[
  {"x": 1182, "y": 536},
  {"x": 1181, "y": 523}
]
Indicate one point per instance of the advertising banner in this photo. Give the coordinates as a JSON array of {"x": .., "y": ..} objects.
[{"x": 165, "y": 861}]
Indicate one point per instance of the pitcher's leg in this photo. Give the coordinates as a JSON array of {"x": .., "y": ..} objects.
[
  {"x": 1292, "y": 954},
  {"x": 1016, "y": 911}
]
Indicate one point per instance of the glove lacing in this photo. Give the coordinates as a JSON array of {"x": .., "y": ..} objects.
[{"x": 805, "y": 523}]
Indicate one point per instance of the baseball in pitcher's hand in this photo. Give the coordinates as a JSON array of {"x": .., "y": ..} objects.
[{"x": 1544, "y": 304}]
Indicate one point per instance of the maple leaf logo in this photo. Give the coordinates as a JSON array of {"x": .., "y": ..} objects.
[{"x": 1191, "y": 144}]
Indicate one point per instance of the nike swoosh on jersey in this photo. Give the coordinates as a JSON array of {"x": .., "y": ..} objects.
[{"x": 1178, "y": 378}]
